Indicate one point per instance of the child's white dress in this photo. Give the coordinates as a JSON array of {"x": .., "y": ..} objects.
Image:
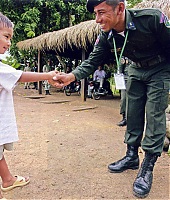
[{"x": 8, "y": 127}]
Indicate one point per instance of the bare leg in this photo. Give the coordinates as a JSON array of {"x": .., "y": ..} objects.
[
  {"x": 5, "y": 174},
  {"x": 7, "y": 178},
  {"x": 1, "y": 195}
]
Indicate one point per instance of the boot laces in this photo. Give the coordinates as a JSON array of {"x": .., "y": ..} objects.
[
  {"x": 144, "y": 167},
  {"x": 147, "y": 165}
]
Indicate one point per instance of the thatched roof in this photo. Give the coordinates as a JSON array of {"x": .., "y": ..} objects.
[
  {"x": 164, "y": 5},
  {"x": 69, "y": 39}
]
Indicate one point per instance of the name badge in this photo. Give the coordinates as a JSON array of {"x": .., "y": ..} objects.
[{"x": 120, "y": 81}]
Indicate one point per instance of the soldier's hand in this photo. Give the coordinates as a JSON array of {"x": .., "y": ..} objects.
[
  {"x": 52, "y": 74},
  {"x": 62, "y": 79}
]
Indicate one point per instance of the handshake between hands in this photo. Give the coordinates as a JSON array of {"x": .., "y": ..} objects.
[{"x": 60, "y": 79}]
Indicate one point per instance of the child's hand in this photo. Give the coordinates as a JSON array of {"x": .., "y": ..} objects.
[
  {"x": 52, "y": 75},
  {"x": 62, "y": 79}
]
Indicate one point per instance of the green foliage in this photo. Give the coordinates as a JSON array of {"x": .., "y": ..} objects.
[
  {"x": 12, "y": 62},
  {"x": 34, "y": 17},
  {"x": 132, "y": 3}
]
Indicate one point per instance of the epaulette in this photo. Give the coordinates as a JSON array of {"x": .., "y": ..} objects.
[{"x": 144, "y": 12}]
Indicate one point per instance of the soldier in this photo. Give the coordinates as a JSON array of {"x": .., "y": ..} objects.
[{"x": 144, "y": 37}]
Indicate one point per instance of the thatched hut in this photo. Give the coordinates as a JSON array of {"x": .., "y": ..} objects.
[
  {"x": 164, "y": 5},
  {"x": 75, "y": 42},
  {"x": 68, "y": 42}
]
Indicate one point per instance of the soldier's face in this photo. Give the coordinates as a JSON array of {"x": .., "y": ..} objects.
[{"x": 107, "y": 16}]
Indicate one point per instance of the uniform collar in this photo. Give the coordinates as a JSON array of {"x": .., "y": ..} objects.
[{"x": 129, "y": 22}]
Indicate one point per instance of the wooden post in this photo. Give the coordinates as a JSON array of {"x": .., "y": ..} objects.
[
  {"x": 83, "y": 81},
  {"x": 39, "y": 70}
]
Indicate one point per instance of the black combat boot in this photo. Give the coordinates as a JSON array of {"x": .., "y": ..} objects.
[
  {"x": 143, "y": 182},
  {"x": 130, "y": 161},
  {"x": 123, "y": 121}
]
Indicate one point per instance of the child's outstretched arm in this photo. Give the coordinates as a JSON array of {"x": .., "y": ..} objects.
[{"x": 35, "y": 76}]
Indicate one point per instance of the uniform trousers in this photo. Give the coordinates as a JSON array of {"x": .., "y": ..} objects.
[
  {"x": 123, "y": 99},
  {"x": 147, "y": 99},
  {"x": 123, "y": 102}
]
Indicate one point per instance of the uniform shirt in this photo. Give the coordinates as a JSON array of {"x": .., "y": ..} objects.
[
  {"x": 149, "y": 36},
  {"x": 8, "y": 128}
]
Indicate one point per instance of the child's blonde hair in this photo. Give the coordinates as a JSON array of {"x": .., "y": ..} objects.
[{"x": 5, "y": 21}]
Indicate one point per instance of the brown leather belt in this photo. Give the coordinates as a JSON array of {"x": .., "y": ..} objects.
[{"x": 149, "y": 63}]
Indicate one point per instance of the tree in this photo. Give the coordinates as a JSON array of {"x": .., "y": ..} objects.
[{"x": 34, "y": 17}]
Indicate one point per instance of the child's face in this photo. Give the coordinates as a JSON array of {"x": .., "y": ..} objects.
[{"x": 5, "y": 38}]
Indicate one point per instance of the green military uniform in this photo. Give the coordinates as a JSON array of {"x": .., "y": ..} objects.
[{"x": 148, "y": 46}]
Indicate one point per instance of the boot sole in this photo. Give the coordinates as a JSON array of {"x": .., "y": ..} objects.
[
  {"x": 140, "y": 195},
  {"x": 133, "y": 168}
]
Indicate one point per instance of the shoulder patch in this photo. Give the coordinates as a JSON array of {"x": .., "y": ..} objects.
[
  {"x": 164, "y": 19},
  {"x": 144, "y": 11}
]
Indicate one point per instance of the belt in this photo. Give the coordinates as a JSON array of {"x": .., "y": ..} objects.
[{"x": 149, "y": 63}]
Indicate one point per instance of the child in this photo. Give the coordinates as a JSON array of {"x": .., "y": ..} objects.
[{"x": 8, "y": 129}]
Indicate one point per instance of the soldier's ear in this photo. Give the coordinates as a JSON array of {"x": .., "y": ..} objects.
[{"x": 121, "y": 8}]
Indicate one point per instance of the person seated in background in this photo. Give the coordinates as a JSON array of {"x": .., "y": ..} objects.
[{"x": 99, "y": 76}]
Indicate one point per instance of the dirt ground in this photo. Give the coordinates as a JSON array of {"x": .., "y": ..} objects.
[{"x": 66, "y": 152}]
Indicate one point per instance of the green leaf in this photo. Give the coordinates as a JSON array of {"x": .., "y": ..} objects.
[{"x": 31, "y": 34}]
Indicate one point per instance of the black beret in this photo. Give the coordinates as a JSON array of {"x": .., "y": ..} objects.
[{"x": 92, "y": 3}]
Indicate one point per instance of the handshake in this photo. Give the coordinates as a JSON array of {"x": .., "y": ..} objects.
[{"x": 60, "y": 79}]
